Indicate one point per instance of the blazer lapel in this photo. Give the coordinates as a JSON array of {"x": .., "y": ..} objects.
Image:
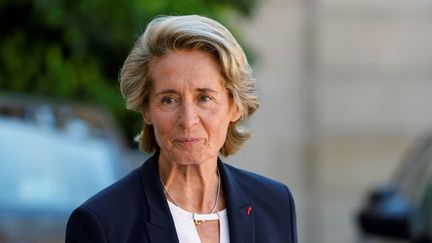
[
  {"x": 160, "y": 225},
  {"x": 241, "y": 218}
]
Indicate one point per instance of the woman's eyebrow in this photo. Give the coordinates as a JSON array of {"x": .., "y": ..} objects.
[
  {"x": 173, "y": 91},
  {"x": 166, "y": 91},
  {"x": 207, "y": 90}
]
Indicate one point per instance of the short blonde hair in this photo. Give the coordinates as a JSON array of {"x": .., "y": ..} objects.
[{"x": 189, "y": 32}]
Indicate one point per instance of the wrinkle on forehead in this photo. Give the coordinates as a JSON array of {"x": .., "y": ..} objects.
[{"x": 186, "y": 71}]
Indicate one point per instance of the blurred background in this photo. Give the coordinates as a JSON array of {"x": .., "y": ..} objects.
[{"x": 344, "y": 87}]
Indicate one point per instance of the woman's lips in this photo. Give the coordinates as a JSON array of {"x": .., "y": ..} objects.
[{"x": 188, "y": 141}]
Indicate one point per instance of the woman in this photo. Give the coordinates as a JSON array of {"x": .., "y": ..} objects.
[{"x": 191, "y": 81}]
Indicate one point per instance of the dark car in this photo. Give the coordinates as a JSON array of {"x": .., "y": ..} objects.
[
  {"x": 403, "y": 208},
  {"x": 52, "y": 158}
]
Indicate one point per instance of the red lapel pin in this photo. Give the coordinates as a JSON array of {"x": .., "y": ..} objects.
[{"x": 249, "y": 210}]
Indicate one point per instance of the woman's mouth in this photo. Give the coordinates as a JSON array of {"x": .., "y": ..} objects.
[{"x": 188, "y": 141}]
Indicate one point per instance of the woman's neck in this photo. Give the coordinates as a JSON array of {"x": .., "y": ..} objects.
[{"x": 192, "y": 187}]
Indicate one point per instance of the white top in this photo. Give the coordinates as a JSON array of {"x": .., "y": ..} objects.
[{"x": 185, "y": 227}]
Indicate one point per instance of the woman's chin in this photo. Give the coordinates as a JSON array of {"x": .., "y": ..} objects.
[{"x": 190, "y": 157}]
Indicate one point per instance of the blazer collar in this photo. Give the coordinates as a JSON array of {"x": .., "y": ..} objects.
[
  {"x": 240, "y": 210},
  {"x": 160, "y": 224}
]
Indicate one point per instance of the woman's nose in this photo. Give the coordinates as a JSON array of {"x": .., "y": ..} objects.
[{"x": 188, "y": 116}]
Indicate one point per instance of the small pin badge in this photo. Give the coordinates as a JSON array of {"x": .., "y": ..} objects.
[{"x": 249, "y": 210}]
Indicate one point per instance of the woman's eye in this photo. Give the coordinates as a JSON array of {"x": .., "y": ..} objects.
[
  {"x": 167, "y": 100},
  {"x": 204, "y": 98}
]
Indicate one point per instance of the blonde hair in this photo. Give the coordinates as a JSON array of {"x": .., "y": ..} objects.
[{"x": 189, "y": 32}]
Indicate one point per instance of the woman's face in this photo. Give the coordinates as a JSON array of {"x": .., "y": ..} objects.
[{"x": 189, "y": 107}]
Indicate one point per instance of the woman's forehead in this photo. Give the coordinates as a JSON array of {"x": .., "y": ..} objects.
[
  {"x": 161, "y": 88},
  {"x": 186, "y": 70}
]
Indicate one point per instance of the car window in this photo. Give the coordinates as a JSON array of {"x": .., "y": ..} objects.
[{"x": 46, "y": 168}]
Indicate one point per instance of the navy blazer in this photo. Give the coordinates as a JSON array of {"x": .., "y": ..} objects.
[{"x": 135, "y": 209}]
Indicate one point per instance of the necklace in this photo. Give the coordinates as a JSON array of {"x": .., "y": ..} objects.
[{"x": 199, "y": 218}]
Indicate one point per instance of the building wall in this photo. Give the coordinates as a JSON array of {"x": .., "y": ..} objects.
[{"x": 345, "y": 87}]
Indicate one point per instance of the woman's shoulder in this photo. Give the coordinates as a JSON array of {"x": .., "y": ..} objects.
[
  {"x": 109, "y": 214},
  {"x": 271, "y": 202},
  {"x": 250, "y": 176},
  {"x": 255, "y": 183},
  {"x": 125, "y": 191},
  {"x": 118, "y": 195}
]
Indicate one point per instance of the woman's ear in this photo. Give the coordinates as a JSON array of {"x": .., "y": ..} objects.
[
  {"x": 236, "y": 114},
  {"x": 147, "y": 118}
]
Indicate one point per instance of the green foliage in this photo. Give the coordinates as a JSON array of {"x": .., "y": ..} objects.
[{"x": 74, "y": 49}]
